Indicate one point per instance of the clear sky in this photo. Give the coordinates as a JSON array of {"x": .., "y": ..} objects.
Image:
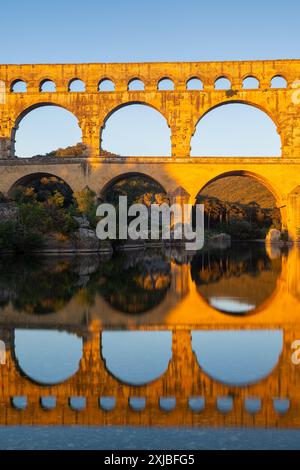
[{"x": 133, "y": 30}]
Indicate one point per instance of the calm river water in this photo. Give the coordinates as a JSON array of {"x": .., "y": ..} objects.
[{"x": 151, "y": 349}]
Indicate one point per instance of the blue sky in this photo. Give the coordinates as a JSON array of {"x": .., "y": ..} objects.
[{"x": 132, "y": 30}]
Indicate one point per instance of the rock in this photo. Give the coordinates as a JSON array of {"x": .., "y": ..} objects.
[
  {"x": 83, "y": 221},
  {"x": 274, "y": 236},
  {"x": 222, "y": 240}
]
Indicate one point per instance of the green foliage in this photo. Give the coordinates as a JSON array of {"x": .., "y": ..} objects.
[
  {"x": 2, "y": 197},
  {"x": 19, "y": 238}
]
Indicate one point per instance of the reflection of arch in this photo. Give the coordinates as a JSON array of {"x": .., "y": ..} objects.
[
  {"x": 258, "y": 106},
  {"x": 136, "y": 358},
  {"x": 28, "y": 110},
  {"x": 47, "y": 357},
  {"x": 134, "y": 103},
  {"x": 240, "y": 283},
  {"x": 132, "y": 286},
  {"x": 239, "y": 359},
  {"x": 27, "y": 179}
]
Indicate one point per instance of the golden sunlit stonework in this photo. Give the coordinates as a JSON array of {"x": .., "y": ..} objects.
[
  {"x": 182, "y": 312},
  {"x": 182, "y": 109}
]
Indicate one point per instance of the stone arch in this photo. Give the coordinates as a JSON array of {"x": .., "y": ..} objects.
[
  {"x": 139, "y": 355},
  {"x": 45, "y": 81},
  {"x": 28, "y": 110},
  {"x": 16, "y": 82},
  {"x": 220, "y": 79},
  {"x": 27, "y": 179},
  {"x": 261, "y": 178},
  {"x": 263, "y": 109},
  {"x": 168, "y": 81},
  {"x": 196, "y": 80},
  {"x": 255, "y": 82},
  {"x": 59, "y": 343},
  {"x": 79, "y": 81},
  {"x": 130, "y": 103},
  {"x": 282, "y": 79},
  {"x": 109, "y": 184},
  {"x": 236, "y": 362},
  {"x": 136, "y": 81},
  {"x": 106, "y": 80}
]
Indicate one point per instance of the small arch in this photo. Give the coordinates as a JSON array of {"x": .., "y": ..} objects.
[
  {"x": 47, "y": 86},
  {"x": 253, "y": 405},
  {"x": 137, "y": 403},
  {"x": 19, "y": 402},
  {"x": 194, "y": 83},
  {"x": 18, "y": 86},
  {"x": 250, "y": 83},
  {"x": 281, "y": 405},
  {"x": 278, "y": 81},
  {"x": 225, "y": 404},
  {"x": 130, "y": 357},
  {"x": 222, "y": 83},
  {"x": 165, "y": 84},
  {"x": 105, "y": 85},
  {"x": 167, "y": 403},
  {"x": 77, "y": 403},
  {"x": 107, "y": 403},
  {"x": 136, "y": 84},
  {"x": 48, "y": 402},
  {"x": 76, "y": 85},
  {"x": 197, "y": 404}
]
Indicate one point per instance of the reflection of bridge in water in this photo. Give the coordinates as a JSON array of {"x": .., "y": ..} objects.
[{"x": 193, "y": 397}]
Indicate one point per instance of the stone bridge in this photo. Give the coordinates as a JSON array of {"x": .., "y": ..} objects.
[{"x": 182, "y": 108}]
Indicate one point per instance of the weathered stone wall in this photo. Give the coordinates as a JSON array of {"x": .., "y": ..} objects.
[{"x": 182, "y": 108}]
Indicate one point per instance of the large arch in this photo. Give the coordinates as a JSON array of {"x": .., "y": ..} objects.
[
  {"x": 238, "y": 358},
  {"x": 30, "y": 177},
  {"x": 47, "y": 357},
  {"x": 109, "y": 184},
  {"x": 147, "y": 111},
  {"x": 136, "y": 357},
  {"x": 247, "y": 107},
  {"x": 35, "y": 107},
  {"x": 259, "y": 177}
]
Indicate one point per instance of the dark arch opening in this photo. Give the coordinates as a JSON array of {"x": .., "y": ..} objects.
[
  {"x": 46, "y": 129},
  {"x": 44, "y": 185},
  {"x": 243, "y": 208},
  {"x": 236, "y": 129},
  {"x": 135, "y": 129}
]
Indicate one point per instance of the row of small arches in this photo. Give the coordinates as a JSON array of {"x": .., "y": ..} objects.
[
  {"x": 166, "y": 404},
  {"x": 165, "y": 84}
]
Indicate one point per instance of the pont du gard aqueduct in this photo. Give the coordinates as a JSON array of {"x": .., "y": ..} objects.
[{"x": 181, "y": 107}]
